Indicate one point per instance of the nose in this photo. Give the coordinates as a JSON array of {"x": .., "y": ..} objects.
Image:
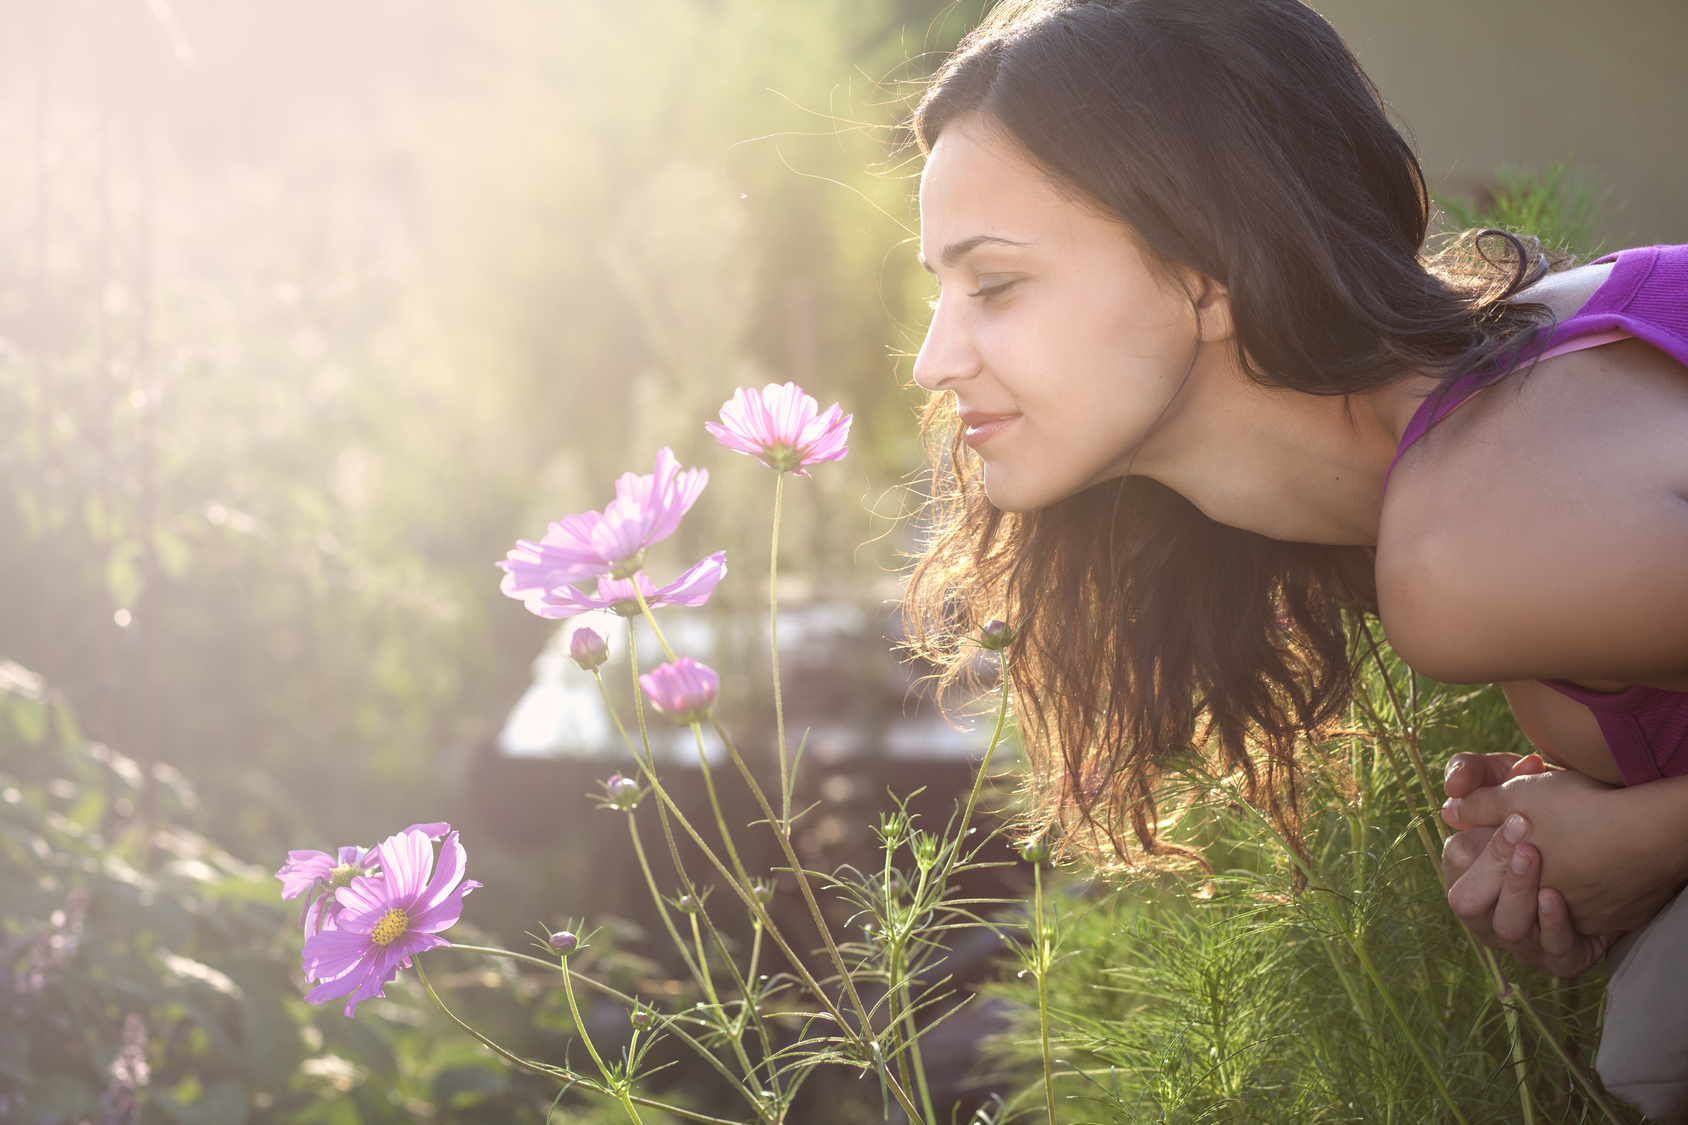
[{"x": 947, "y": 355}]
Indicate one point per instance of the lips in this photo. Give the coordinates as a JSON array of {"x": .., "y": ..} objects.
[{"x": 982, "y": 425}]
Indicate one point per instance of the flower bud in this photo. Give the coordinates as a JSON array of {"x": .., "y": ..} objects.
[
  {"x": 622, "y": 793},
  {"x": 563, "y": 943},
  {"x": 995, "y": 636},
  {"x": 684, "y": 690},
  {"x": 764, "y": 891},
  {"x": 1035, "y": 851},
  {"x": 686, "y": 904},
  {"x": 640, "y": 1016},
  {"x": 588, "y": 649}
]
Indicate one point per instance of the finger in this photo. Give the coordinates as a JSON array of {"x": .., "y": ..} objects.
[
  {"x": 1481, "y": 808},
  {"x": 1475, "y": 893},
  {"x": 1527, "y": 765},
  {"x": 1515, "y": 911},
  {"x": 1461, "y": 850},
  {"x": 1566, "y": 953},
  {"x": 1468, "y": 772}
]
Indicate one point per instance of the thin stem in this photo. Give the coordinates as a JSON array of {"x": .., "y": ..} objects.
[
  {"x": 747, "y": 892},
  {"x": 954, "y": 856},
  {"x": 846, "y": 981},
  {"x": 774, "y": 649},
  {"x": 656, "y": 630},
  {"x": 1042, "y": 966},
  {"x": 1518, "y": 995},
  {"x": 801, "y": 874},
  {"x": 700, "y": 968},
  {"x": 1358, "y": 946},
  {"x": 619, "y": 1084},
  {"x": 507, "y": 1056},
  {"x": 669, "y": 1026}
]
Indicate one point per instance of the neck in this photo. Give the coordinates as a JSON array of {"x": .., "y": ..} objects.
[{"x": 1286, "y": 464}]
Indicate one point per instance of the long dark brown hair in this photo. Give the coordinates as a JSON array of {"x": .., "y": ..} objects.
[{"x": 1238, "y": 139}]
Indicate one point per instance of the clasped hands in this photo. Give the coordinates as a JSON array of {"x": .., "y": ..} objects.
[{"x": 1551, "y": 865}]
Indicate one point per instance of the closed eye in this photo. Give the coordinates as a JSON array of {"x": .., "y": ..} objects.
[{"x": 988, "y": 291}]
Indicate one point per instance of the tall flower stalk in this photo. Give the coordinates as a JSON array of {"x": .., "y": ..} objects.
[{"x": 594, "y": 561}]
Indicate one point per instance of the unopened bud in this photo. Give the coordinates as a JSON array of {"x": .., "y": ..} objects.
[
  {"x": 995, "y": 635},
  {"x": 588, "y": 649},
  {"x": 563, "y": 943},
  {"x": 1035, "y": 851},
  {"x": 640, "y": 1016},
  {"x": 764, "y": 892},
  {"x": 623, "y": 792},
  {"x": 686, "y": 904}
]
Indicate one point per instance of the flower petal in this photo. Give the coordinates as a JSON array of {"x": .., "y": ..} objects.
[
  {"x": 453, "y": 862},
  {"x": 332, "y": 954},
  {"x": 695, "y": 585},
  {"x": 406, "y": 859}
]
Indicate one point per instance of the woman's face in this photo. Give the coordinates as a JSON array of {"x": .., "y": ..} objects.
[{"x": 1063, "y": 345}]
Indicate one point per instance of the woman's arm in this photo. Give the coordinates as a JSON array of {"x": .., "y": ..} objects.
[{"x": 1606, "y": 859}]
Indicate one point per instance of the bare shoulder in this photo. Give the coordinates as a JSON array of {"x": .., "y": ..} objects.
[{"x": 1541, "y": 530}]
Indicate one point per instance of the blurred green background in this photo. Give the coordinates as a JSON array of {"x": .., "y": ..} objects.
[{"x": 309, "y": 309}]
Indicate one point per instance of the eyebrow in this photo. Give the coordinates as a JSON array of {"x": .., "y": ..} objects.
[{"x": 955, "y": 251}]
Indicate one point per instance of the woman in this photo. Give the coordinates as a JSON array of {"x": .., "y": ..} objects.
[{"x": 1187, "y": 334}]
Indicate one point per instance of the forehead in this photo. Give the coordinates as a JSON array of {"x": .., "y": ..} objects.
[
  {"x": 980, "y": 186},
  {"x": 979, "y": 179}
]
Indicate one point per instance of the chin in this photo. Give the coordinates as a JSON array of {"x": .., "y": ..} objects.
[{"x": 1006, "y": 496}]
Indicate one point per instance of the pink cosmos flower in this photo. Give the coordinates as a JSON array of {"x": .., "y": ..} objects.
[
  {"x": 782, "y": 426},
  {"x": 646, "y": 509},
  {"x": 691, "y": 588},
  {"x": 317, "y": 875},
  {"x": 384, "y": 920},
  {"x": 683, "y": 690}
]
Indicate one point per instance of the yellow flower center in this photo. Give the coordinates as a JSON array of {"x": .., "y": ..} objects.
[{"x": 391, "y": 927}]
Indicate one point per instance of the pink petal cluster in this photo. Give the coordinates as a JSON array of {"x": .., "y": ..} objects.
[
  {"x": 646, "y": 509},
  {"x": 386, "y": 919},
  {"x": 691, "y": 588},
  {"x": 317, "y": 875},
  {"x": 783, "y": 426},
  {"x": 684, "y": 690}
]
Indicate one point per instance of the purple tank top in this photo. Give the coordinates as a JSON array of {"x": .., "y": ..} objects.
[{"x": 1645, "y": 296}]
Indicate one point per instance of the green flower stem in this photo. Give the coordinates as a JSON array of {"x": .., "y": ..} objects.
[
  {"x": 638, "y": 844},
  {"x": 667, "y": 808},
  {"x": 699, "y": 969},
  {"x": 618, "y": 1084},
  {"x": 801, "y": 875},
  {"x": 774, "y": 650},
  {"x": 656, "y": 630},
  {"x": 732, "y": 967},
  {"x": 1406, "y": 717},
  {"x": 954, "y": 856},
  {"x": 900, "y": 1023},
  {"x": 509, "y": 1057},
  {"x": 1357, "y": 944},
  {"x": 1515, "y": 994},
  {"x": 746, "y": 891},
  {"x": 669, "y": 1025},
  {"x": 846, "y": 981},
  {"x": 1041, "y": 963}
]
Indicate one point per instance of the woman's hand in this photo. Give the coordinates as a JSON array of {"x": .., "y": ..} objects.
[
  {"x": 1598, "y": 860},
  {"x": 1494, "y": 887},
  {"x": 1493, "y": 878}
]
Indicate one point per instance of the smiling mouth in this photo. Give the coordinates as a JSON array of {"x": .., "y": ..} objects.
[{"x": 982, "y": 427}]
